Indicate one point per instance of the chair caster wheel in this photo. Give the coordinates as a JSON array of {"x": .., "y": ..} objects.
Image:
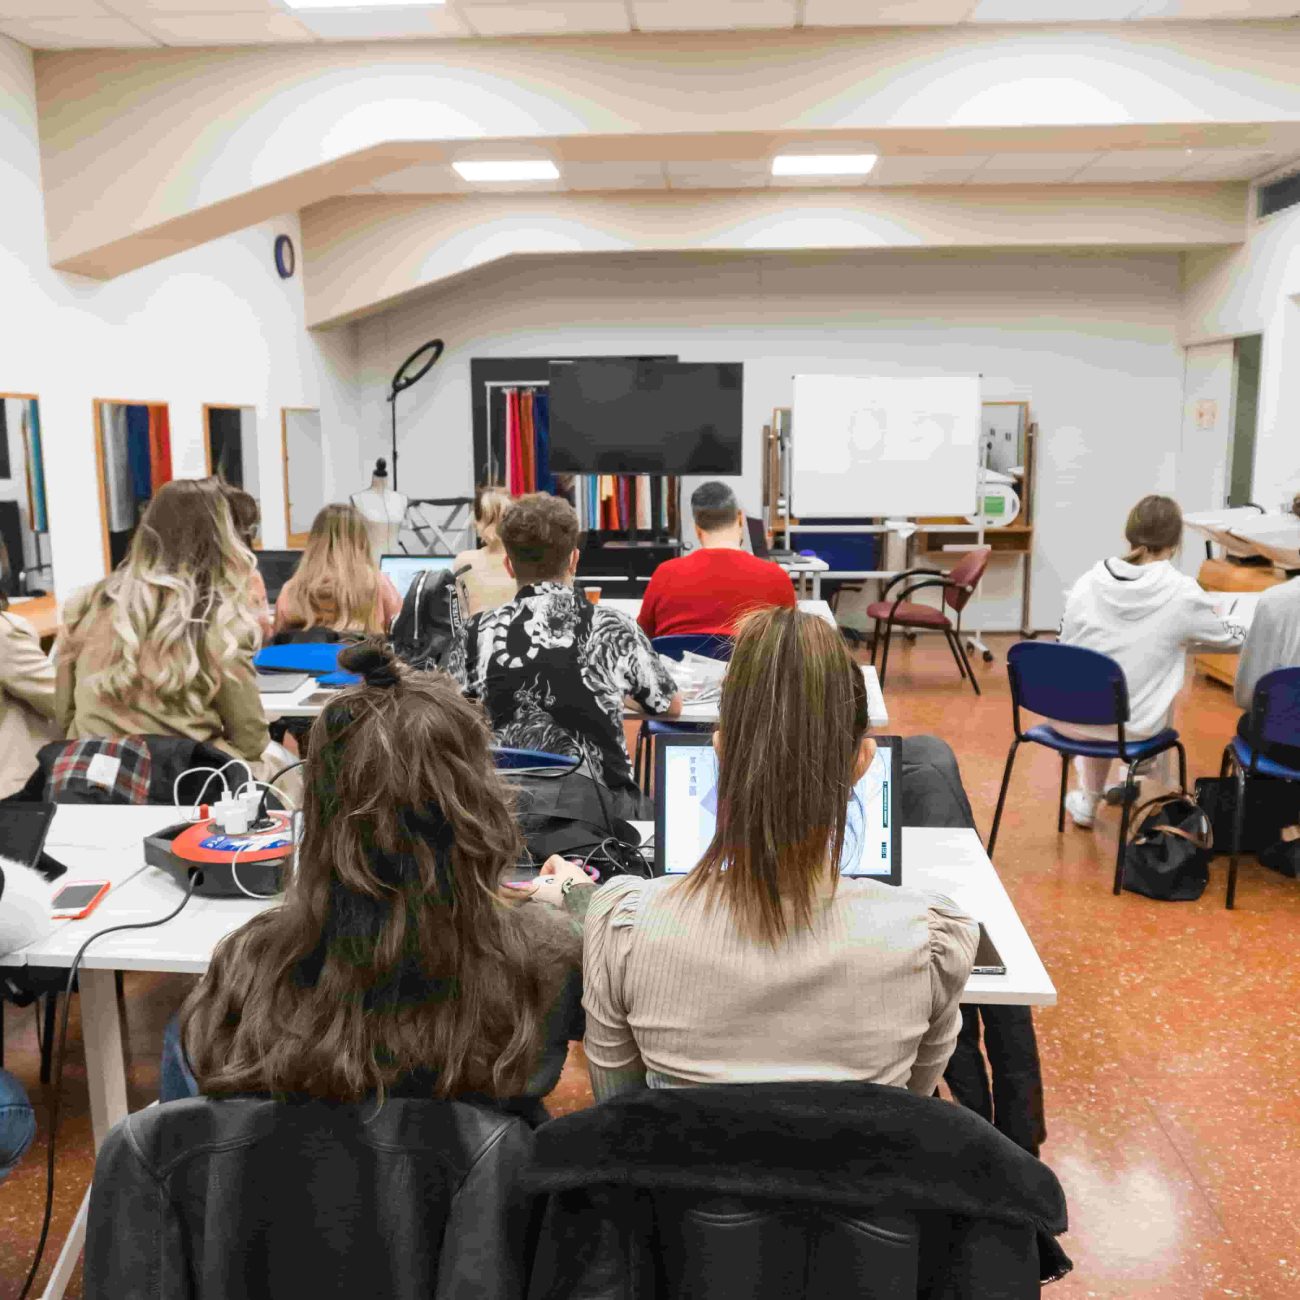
[{"x": 988, "y": 656}]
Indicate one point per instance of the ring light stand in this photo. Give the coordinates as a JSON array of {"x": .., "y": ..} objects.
[{"x": 409, "y": 373}]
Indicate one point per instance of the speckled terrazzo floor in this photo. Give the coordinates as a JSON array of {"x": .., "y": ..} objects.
[{"x": 1171, "y": 1060}]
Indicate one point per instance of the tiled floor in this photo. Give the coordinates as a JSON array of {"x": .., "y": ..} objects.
[{"x": 1171, "y": 1060}]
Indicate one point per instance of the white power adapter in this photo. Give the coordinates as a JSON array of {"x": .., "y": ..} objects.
[{"x": 231, "y": 816}]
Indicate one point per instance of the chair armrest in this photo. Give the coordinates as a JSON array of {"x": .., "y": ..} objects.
[
  {"x": 940, "y": 581},
  {"x": 908, "y": 573}
]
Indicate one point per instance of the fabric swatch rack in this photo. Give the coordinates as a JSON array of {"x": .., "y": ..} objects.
[{"x": 510, "y": 402}]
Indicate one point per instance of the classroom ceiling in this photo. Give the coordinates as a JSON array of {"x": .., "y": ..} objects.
[
  {"x": 1110, "y": 167},
  {"x": 134, "y": 24}
]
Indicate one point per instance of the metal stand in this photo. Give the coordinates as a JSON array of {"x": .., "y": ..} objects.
[
  {"x": 452, "y": 533},
  {"x": 974, "y": 641}
]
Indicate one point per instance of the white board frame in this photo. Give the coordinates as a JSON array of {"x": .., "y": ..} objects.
[{"x": 837, "y": 472}]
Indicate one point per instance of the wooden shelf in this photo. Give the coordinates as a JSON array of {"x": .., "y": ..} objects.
[{"x": 1014, "y": 539}]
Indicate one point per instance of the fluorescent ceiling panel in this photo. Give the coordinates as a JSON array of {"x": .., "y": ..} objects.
[
  {"x": 524, "y": 169},
  {"x": 845, "y": 164},
  {"x": 353, "y": 4},
  {"x": 545, "y": 18}
]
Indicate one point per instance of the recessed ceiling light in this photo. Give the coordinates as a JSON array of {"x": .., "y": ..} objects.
[
  {"x": 525, "y": 169},
  {"x": 362, "y": 4},
  {"x": 828, "y": 164}
]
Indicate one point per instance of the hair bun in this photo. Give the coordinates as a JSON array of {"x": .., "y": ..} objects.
[{"x": 373, "y": 661}]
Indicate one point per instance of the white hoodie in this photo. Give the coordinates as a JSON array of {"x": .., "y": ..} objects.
[{"x": 1145, "y": 617}]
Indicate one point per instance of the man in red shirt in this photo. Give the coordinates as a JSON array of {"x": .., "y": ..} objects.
[{"x": 709, "y": 589}]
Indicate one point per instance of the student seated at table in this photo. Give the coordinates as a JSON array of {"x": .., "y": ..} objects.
[
  {"x": 1273, "y": 642},
  {"x": 1145, "y": 614},
  {"x": 164, "y": 645},
  {"x": 337, "y": 585},
  {"x": 553, "y": 670},
  {"x": 397, "y": 964},
  {"x": 488, "y": 583},
  {"x": 709, "y": 589},
  {"x": 763, "y": 965},
  {"x": 27, "y": 710},
  {"x": 247, "y": 515}
]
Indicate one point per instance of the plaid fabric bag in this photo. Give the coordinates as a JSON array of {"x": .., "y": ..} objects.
[{"x": 101, "y": 771}]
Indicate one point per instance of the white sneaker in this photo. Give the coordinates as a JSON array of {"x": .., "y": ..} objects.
[{"x": 1082, "y": 808}]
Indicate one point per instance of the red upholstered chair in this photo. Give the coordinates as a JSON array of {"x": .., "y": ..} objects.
[{"x": 958, "y": 587}]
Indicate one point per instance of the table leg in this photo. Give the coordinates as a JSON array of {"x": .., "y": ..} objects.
[
  {"x": 101, "y": 1032},
  {"x": 66, "y": 1264},
  {"x": 817, "y": 586}
]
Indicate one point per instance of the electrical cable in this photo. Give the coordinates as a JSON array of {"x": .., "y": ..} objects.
[
  {"x": 57, "y": 1085},
  {"x": 239, "y": 884},
  {"x": 266, "y": 794}
]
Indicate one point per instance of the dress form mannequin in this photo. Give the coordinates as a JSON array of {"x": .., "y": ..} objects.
[{"x": 382, "y": 510}]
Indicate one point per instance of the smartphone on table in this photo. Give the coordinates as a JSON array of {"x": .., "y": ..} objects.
[{"x": 78, "y": 898}]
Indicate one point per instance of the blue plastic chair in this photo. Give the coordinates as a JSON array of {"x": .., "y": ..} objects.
[
  {"x": 712, "y": 645},
  {"x": 1070, "y": 684},
  {"x": 1274, "y": 719},
  {"x": 513, "y": 760}
]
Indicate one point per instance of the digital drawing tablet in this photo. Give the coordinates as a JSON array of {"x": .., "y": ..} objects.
[
  {"x": 686, "y": 779},
  {"x": 23, "y": 828},
  {"x": 988, "y": 960}
]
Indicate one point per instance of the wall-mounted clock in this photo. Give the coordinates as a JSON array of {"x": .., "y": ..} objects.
[{"x": 285, "y": 258}]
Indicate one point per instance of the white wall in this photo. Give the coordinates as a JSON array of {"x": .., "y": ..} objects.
[
  {"x": 1090, "y": 340},
  {"x": 1251, "y": 290},
  {"x": 212, "y": 325}
]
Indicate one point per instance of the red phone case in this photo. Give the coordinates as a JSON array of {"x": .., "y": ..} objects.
[{"x": 64, "y": 914}]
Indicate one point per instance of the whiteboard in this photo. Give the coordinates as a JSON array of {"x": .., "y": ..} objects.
[{"x": 887, "y": 447}]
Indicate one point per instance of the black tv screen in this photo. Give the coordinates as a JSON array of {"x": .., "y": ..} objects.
[{"x": 645, "y": 417}]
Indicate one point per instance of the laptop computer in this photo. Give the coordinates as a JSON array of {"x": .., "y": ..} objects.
[
  {"x": 276, "y": 568},
  {"x": 757, "y": 537},
  {"x": 686, "y": 780},
  {"x": 402, "y": 570}
]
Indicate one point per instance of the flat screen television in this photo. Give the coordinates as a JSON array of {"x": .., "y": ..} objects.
[{"x": 627, "y": 416}]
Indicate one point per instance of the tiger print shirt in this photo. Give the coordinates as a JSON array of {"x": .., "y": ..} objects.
[{"x": 552, "y": 670}]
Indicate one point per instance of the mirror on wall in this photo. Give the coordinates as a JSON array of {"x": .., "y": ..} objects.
[
  {"x": 133, "y": 454},
  {"x": 230, "y": 445},
  {"x": 304, "y": 470},
  {"x": 24, "y": 515}
]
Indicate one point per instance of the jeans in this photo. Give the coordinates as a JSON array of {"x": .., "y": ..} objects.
[
  {"x": 17, "y": 1123},
  {"x": 175, "y": 1082}
]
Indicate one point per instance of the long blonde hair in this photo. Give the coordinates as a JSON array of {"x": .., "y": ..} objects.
[
  {"x": 336, "y": 584},
  {"x": 491, "y": 501},
  {"x": 792, "y": 718},
  {"x": 178, "y": 605}
]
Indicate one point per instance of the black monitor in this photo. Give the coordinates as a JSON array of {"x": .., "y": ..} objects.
[
  {"x": 629, "y": 416},
  {"x": 276, "y": 568}
]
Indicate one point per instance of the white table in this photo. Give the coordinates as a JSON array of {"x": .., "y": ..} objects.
[
  {"x": 308, "y": 700},
  {"x": 806, "y": 572},
  {"x": 106, "y": 841}
]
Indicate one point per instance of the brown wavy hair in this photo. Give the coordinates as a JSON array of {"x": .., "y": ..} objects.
[
  {"x": 792, "y": 717},
  {"x": 395, "y": 953},
  {"x": 337, "y": 583}
]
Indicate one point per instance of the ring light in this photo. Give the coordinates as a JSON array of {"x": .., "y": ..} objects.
[{"x": 409, "y": 373}]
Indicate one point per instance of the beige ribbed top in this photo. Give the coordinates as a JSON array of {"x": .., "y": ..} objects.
[{"x": 675, "y": 995}]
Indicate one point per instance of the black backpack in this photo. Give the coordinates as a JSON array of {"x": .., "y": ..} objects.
[
  {"x": 1168, "y": 854},
  {"x": 430, "y": 617}
]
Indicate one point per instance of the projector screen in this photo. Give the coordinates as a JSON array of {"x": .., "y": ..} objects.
[
  {"x": 884, "y": 447},
  {"x": 625, "y": 416}
]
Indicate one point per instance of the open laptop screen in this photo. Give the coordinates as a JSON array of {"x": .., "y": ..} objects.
[
  {"x": 686, "y": 780},
  {"x": 402, "y": 570}
]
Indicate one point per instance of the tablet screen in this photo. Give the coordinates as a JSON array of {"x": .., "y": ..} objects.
[{"x": 687, "y": 804}]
